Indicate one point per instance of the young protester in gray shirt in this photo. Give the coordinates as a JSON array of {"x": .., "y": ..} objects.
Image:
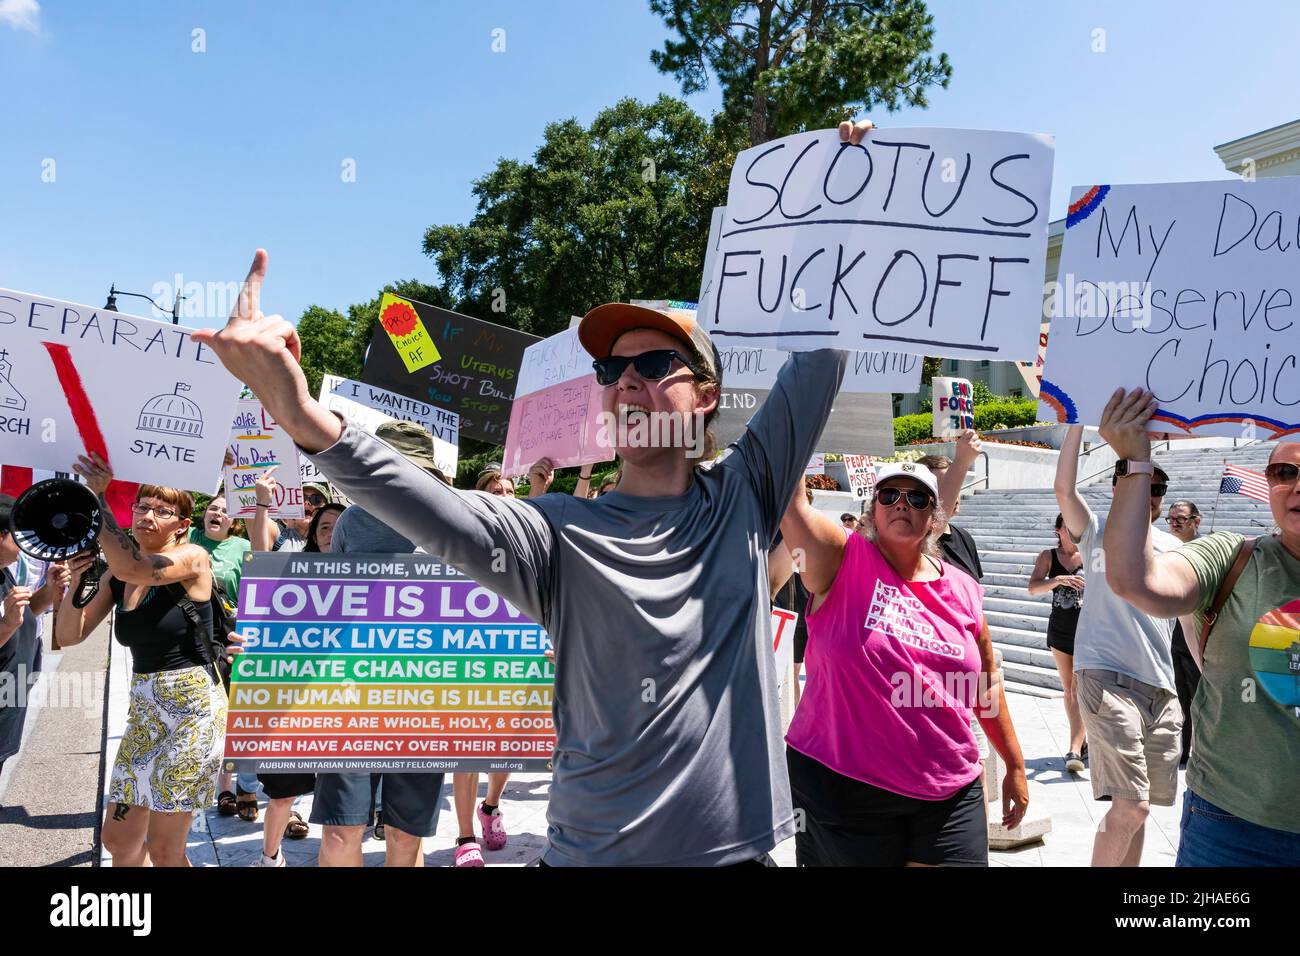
[{"x": 669, "y": 741}]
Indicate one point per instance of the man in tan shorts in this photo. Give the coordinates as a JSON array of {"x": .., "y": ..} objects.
[{"x": 1124, "y": 676}]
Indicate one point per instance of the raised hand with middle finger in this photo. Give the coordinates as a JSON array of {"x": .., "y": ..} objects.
[{"x": 264, "y": 350}]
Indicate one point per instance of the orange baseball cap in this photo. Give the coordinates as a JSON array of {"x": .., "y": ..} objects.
[{"x": 601, "y": 327}]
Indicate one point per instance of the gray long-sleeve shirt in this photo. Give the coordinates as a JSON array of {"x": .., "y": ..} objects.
[{"x": 668, "y": 736}]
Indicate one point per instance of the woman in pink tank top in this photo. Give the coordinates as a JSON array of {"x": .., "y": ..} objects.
[{"x": 883, "y": 760}]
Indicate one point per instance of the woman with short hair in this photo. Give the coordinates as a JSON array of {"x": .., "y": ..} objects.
[{"x": 170, "y": 754}]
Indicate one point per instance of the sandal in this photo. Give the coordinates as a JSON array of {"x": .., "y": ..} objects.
[
  {"x": 297, "y": 828},
  {"x": 226, "y": 805},
  {"x": 247, "y": 807}
]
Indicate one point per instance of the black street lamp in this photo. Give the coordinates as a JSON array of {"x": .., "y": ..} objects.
[{"x": 114, "y": 292}]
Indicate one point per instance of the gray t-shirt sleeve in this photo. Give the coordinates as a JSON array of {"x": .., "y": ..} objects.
[
  {"x": 339, "y": 539},
  {"x": 783, "y": 434},
  {"x": 503, "y": 544}
]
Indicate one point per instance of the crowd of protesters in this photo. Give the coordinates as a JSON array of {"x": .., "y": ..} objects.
[{"x": 662, "y": 575}]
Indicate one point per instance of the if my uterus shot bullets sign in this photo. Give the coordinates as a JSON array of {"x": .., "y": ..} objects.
[{"x": 379, "y": 662}]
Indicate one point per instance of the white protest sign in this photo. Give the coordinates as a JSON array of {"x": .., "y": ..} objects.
[
  {"x": 952, "y": 400},
  {"x": 783, "y": 627},
  {"x": 930, "y": 241},
  {"x": 368, "y": 406},
  {"x": 555, "y": 409},
  {"x": 862, "y": 475},
  {"x": 865, "y": 371},
  {"x": 1032, "y": 372},
  {"x": 1188, "y": 290},
  {"x": 816, "y": 465},
  {"x": 73, "y": 378},
  {"x": 704, "y": 304},
  {"x": 258, "y": 445},
  {"x": 755, "y": 367}
]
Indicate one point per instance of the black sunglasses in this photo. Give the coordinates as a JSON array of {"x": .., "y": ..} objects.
[
  {"x": 916, "y": 500},
  {"x": 1282, "y": 473},
  {"x": 651, "y": 366},
  {"x": 1158, "y": 491}
]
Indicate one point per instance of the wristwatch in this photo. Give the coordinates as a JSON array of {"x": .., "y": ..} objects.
[{"x": 1131, "y": 466}]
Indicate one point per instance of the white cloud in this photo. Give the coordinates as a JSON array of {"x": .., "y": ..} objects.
[{"x": 21, "y": 15}]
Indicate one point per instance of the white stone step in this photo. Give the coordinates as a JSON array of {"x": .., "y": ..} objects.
[
  {"x": 999, "y": 579},
  {"x": 1021, "y": 622},
  {"x": 1021, "y": 608},
  {"x": 1014, "y": 592},
  {"x": 1045, "y": 677},
  {"x": 993, "y": 565},
  {"x": 1019, "y": 654},
  {"x": 1014, "y": 636}
]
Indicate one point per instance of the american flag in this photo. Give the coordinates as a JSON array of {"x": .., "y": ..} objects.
[{"x": 1243, "y": 481}]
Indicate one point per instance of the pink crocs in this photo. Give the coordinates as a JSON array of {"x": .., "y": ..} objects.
[
  {"x": 468, "y": 854},
  {"x": 494, "y": 828}
]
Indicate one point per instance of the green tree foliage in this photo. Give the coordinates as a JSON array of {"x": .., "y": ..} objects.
[
  {"x": 791, "y": 65},
  {"x": 610, "y": 212},
  {"x": 328, "y": 345}
]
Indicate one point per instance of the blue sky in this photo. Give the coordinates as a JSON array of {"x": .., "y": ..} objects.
[{"x": 169, "y": 161}]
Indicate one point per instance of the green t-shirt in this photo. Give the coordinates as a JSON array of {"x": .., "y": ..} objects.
[
  {"x": 1246, "y": 713},
  {"x": 227, "y": 559}
]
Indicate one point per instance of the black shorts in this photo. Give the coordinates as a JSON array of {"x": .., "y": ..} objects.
[
  {"x": 1061, "y": 626},
  {"x": 850, "y": 823},
  {"x": 278, "y": 786},
  {"x": 410, "y": 801}
]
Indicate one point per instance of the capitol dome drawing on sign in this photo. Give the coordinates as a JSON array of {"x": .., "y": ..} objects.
[{"x": 172, "y": 414}]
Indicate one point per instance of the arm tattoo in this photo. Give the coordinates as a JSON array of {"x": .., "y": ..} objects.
[{"x": 127, "y": 543}]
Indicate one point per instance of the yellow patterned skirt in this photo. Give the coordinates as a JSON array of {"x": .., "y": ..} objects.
[{"x": 170, "y": 754}]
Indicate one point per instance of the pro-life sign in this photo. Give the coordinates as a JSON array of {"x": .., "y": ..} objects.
[
  {"x": 931, "y": 241},
  {"x": 380, "y": 662}
]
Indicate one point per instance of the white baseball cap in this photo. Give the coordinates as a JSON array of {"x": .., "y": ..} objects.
[{"x": 908, "y": 469}]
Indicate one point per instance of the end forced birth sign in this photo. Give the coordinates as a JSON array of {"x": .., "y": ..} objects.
[{"x": 380, "y": 662}]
